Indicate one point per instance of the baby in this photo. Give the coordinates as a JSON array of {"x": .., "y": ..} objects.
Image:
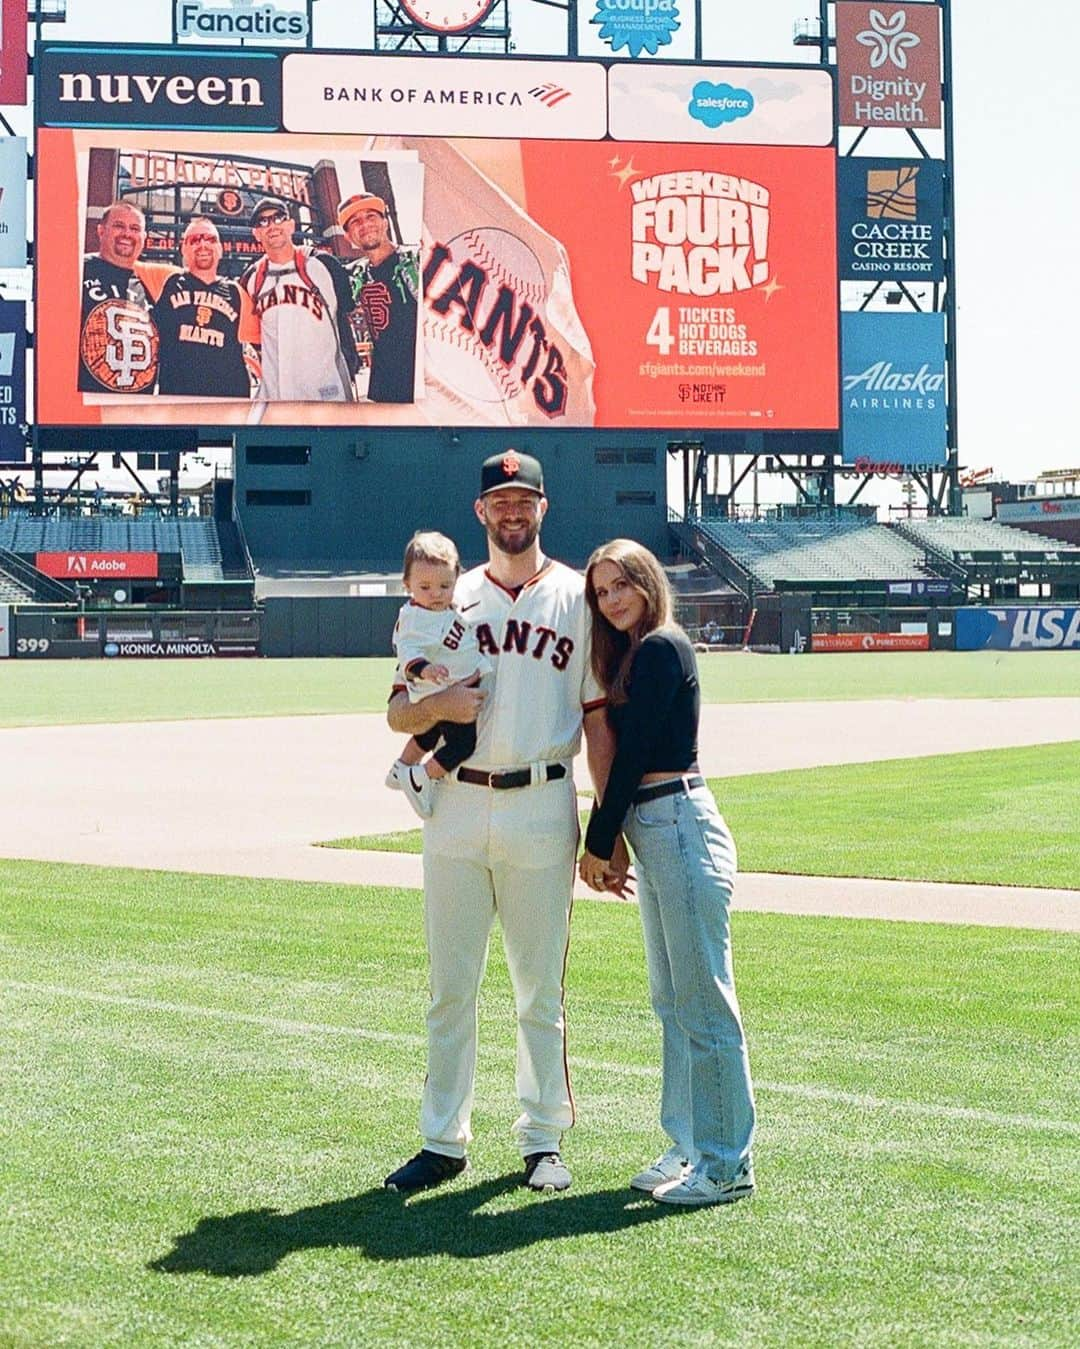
[{"x": 435, "y": 647}]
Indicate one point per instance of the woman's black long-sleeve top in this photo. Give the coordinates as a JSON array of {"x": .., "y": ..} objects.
[{"x": 655, "y": 729}]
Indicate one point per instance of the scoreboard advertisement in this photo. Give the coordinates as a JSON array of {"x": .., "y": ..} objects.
[{"x": 341, "y": 239}]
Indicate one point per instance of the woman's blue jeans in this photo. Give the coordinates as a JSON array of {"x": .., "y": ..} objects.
[{"x": 686, "y": 868}]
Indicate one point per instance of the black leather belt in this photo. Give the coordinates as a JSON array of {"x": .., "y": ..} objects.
[
  {"x": 513, "y": 777},
  {"x": 684, "y": 784}
]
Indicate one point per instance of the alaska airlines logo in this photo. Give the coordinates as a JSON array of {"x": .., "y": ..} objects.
[
  {"x": 881, "y": 377},
  {"x": 212, "y": 91}
]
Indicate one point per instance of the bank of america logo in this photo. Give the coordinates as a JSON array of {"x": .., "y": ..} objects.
[
  {"x": 891, "y": 194},
  {"x": 549, "y": 94}
]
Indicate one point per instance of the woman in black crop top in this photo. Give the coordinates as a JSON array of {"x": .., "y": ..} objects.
[{"x": 686, "y": 871}]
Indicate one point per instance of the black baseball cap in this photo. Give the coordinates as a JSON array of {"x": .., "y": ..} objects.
[
  {"x": 511, "y": 469},
  {"x": 267, "y": 204}
]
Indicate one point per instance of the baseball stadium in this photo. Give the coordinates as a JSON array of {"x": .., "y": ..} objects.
[{"x": 434, "y": 428}]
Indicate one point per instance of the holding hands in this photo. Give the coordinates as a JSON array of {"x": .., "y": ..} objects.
[{"x": 612, "y": 875}]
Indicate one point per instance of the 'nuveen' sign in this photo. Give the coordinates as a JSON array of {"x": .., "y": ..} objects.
[{"x": 159, "y": 86}]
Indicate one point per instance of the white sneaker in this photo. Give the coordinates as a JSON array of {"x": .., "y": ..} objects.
[
  {"x": 696, "y": 1189},
  {"x": 671, "y": 1166},
  {"x": 419, "y": 791},
  {"x": 393, "y": 777}
]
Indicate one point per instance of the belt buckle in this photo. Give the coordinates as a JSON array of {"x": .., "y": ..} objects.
[{"x": 497, "y": 780}]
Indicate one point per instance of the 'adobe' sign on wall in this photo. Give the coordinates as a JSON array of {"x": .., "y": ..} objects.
[
  {"x": 96, "y": 566},
  {"x": 889, "y": 59}
]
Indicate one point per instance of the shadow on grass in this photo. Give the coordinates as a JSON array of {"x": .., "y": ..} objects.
[{"x": 383, "y": 1226}]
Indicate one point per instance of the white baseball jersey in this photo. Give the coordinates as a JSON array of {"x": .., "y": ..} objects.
[
  {"x": 297, "y": 308},
  {"x": 441, "y": 637},
  {"x": 539, "y": 643}
]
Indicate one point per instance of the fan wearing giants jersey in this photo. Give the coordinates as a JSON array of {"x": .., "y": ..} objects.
[
  {"x": 203, "y": 320},
  {"x": 118, "y": 340},
  {"x": 302, "y": 301},
  {"x": 385, "y": 283},
  {"x": 503, "y": 832}
]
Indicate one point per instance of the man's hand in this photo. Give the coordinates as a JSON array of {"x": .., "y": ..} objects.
[
  {"x": 435, "y": 674},
  {"x": 611, "y": 875},
  {"x": 457, "y": 703},
  {"x": 460, "y": 702},
  {"x": 620, "y": 879}
]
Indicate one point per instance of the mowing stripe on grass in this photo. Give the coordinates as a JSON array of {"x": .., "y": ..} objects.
[{"x": 802, "y": 1091}]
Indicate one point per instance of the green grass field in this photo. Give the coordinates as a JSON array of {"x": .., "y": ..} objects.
[
  {"x": 206, "y": 1079},
  {"x": 997, "y": 817},
  {"x": 46, "y": 692}
]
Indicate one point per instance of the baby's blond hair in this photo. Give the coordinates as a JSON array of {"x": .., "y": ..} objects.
[{"x": 430, "y": 546}]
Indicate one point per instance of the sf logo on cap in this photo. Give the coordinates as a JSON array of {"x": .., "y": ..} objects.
[{"x": 511, "y": 464}]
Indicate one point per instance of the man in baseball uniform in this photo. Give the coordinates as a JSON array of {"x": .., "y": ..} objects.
[
  {"x": 302, "y": 301},
  {"x": 503, "y": 834},
  {"x": 385, "y": 284}
]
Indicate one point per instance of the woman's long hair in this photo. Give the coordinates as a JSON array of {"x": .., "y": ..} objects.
[{"x": 613, "y": 651}]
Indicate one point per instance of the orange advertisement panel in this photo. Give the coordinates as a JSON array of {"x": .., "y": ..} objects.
[
  {"x": 557, "y": 283},
  {"x": 870, "y": 641},
  {"x": 705, "y": 277}
]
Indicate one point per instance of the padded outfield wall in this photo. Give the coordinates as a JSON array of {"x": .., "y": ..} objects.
[{"x": 353, "y": 499}]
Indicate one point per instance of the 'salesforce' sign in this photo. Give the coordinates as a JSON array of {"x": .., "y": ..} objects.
[{"x": 159, "y": 86}]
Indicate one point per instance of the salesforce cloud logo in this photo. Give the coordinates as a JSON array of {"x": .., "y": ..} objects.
[{"x": 715, "y": 104}]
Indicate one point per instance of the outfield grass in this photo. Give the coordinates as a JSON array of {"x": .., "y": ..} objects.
[
  {"x": 54, "y": 692},
  {"x": 205, "y": 1080},
  {"x": 995, "y": 817}
]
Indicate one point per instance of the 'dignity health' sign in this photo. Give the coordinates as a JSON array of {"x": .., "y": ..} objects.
[
  {"x": 892, "y": 405},
  {"x": 889, "y": 60}
]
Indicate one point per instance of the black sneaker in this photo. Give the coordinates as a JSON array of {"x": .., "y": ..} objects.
[
  {"x": 546, "y": 1172},
  {"x": 424, "y": 1172}
]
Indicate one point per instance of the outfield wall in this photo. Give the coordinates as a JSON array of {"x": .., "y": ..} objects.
[
  {"x": 353, "y": 498},
  {"x": 1030, "y": 627}
]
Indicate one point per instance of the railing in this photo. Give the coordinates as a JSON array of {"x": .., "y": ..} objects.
[
  {"x": 697, "y": 541},
  {"x": 41, "y": 587}
]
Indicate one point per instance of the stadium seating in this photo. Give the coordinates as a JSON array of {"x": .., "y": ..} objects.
[
  {"x": 210, "y": 551},
  {"x": 817, "y": 548},
  {"x": 953, "y": 535}
]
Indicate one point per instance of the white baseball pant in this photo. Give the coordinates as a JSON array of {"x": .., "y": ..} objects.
[{"x": 511, "y": 853}]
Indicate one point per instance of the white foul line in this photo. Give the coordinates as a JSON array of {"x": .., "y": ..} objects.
[{"x": 803, "y": 1091}]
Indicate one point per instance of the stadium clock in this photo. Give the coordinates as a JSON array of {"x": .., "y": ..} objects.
[{"x": 447, "y": 16}]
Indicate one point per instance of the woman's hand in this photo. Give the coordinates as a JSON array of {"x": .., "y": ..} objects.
[
  {"x": 593, "y": 871},
  {"x": 620, "y": 880},
  {"x": 607, "y": 876}
]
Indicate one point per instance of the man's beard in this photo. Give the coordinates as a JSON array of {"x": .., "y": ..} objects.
[{"x": 521, "y": 541}]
